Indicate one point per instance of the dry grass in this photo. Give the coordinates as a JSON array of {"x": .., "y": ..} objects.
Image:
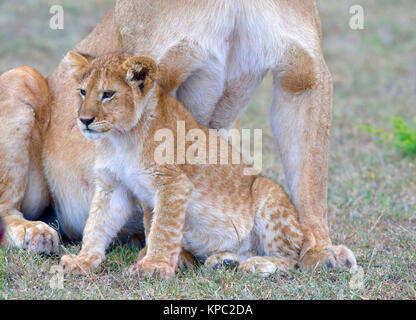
[{"x": 372, "y": 189}]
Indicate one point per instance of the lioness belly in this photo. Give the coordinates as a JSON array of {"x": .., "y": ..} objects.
[{"x": 71, "y": 184}]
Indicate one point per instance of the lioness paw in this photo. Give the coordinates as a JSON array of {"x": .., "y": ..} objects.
[
  {"x": 80, "y": 264},
  {"x": 35, "y": 236},
  {"x": 146, "y": 267},
  {"x": 333, "y": 257}
]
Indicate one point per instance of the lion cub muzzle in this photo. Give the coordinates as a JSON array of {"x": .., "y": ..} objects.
[
  {"x": 87, "y": 121},
  {"x": 90, "y": 128}
]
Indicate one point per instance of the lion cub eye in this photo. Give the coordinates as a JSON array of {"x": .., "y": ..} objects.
[
  {"x": 108, "y": 94},
  {"x": 82, "y": 92}
]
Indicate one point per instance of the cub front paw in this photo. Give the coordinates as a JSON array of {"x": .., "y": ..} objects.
[
  {"x": 35, "y": 236},
  {"x": 332, "y": 257},
  {"x": 185, "y": 258},
  {"x": 146, "y": 267},
  {"x": 80, "y": 264}
]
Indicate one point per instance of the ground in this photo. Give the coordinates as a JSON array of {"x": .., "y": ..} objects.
[{"x": 372, "y": 188}]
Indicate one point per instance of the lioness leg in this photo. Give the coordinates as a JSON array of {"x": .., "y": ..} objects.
[
  {"x": 300, "y": 119},
  {"x": 24, "y": 103},
  {"x": 234, "y": 100}
]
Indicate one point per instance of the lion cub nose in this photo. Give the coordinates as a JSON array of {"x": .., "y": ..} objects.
[{"x": 87, "y": 122}]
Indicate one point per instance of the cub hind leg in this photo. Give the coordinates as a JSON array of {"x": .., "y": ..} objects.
[
  {"x": 24, "y": 115},
  {"x": 277, "y": 235}
]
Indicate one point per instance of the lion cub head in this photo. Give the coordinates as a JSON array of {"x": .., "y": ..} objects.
[{"x": 111, "y": 90}]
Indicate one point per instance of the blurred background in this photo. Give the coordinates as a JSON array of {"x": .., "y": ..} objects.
[{"x": 372, "y": 185}]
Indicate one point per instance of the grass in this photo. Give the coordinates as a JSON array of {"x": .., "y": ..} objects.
[
  {"x": 403, "y": 137},
  {"x": 372, "y": 189}
]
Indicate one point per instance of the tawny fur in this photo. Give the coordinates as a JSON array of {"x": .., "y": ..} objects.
[
  {"x": 212, "y": 57},
  {"x": 24, "y": 110},
  {"x": 211, "y": 210}
]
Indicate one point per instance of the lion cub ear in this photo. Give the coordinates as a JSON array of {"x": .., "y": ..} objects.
[
  {"x": 142, "y": 71},
  {"x": 78, "y": 63}
]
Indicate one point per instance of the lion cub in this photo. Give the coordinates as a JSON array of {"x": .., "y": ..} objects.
[{"x": 214, "y": 211}]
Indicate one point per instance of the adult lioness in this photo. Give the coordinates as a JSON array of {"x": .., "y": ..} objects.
[{"x": 212, "y": 57}]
